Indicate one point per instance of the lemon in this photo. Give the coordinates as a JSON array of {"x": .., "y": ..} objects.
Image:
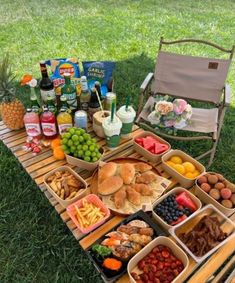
[
  {"x": 196, "y": 173},
  {"x": 170, "y": 163},
  {"x": 189, "y": 167},
  {"x": 189, "y": 175},
  {"x": 179, "y": 168},
  {"x": 176, "y": 159}
]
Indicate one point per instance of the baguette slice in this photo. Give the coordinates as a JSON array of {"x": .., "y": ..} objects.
[{"x": 110, "y": 185}]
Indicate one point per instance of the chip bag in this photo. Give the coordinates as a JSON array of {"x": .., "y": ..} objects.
[
  {"x": 61, "y": 66},
  {"x": 99, "y": 71}
]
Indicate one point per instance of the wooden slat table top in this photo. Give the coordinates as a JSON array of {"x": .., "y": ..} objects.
[{"x": 37, "y": 166}]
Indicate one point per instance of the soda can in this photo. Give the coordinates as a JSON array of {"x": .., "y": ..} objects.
[
  {"x": 110, "y": 98},
  {"x": 80, "y": 119}
]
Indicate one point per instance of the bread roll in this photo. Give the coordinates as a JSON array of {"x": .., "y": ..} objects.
[
  {"x": 133, "y": 196},
  {"x": 142, "y": 167},
  {"x": 146, "y": 178},
  {"x": 106, "y": 171},
  {"x": 110, "y": 185},
  {"x": 127, "y": 173},
  {"x": 119, "y": 197}
]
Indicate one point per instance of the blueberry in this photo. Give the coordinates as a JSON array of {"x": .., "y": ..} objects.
[{"x": 175, "y": 218}]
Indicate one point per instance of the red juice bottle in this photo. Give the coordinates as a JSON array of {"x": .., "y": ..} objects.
[
  {"x": 32, "y": 124},
  {"x": 48, "y": 123}
]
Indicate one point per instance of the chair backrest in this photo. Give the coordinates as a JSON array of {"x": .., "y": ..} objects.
[{"x": 191, "y": 77}]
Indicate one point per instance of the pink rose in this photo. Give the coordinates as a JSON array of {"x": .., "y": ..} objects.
[{"x": 179, "y": 105}]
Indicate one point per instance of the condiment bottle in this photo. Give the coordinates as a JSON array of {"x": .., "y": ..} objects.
[
  {"x": 48, "y": 123},
  {"x": 94, "y": 105},
  {"x": 32, "y": 124}
]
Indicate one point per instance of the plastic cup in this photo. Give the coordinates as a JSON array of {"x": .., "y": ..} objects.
[
  {"x": 127, "y": 118},
  {"x": 112, "y": 131}
]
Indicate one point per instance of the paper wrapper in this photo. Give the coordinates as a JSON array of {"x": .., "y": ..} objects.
[{"x": 158, "y": 186}]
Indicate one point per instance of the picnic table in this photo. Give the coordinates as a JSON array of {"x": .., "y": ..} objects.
[{"x": 211, "y": 270}]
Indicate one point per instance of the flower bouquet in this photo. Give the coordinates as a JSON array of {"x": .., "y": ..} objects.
[{"x": 173, "y": 114}]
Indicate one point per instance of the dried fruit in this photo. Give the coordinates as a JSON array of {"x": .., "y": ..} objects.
[
  {"x": 212, "y": 179},
  {"x": 227, "y": 203},
  {"x": 205, "y": 187},
  {"x": 232, "y": 198},
  {"x": 215, "y": 194},
  {"x": 219, "y": 186},
  {"x": 225, "y": 193},
  {"x": 220, "y": 177},
  {"x": 201, "y": 180}
]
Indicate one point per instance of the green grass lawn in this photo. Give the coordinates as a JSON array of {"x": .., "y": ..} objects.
[{"x": 35, "y": 245}]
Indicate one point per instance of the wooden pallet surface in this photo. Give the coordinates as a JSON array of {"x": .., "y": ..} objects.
[{"x": 37, "y": 166}]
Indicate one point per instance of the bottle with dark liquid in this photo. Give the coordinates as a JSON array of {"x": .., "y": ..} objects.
[
  {"x": 46, "y": 84},
  {"x": 94, "y": 105}
]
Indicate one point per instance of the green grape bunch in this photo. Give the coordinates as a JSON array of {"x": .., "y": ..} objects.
[{"x": 76, "y": 142}]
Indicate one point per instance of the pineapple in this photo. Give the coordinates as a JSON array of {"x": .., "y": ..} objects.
[{"x": 12, "y": 109}]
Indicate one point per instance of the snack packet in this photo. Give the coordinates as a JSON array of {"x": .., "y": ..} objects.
[
  {"x": 61, "y": 66},
  {"x": 99, "y": 71}
]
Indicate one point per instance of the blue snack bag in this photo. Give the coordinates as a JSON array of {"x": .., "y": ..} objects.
[
  {"x": 61, "y": 66},
  {"x": 99, "y": 71}
]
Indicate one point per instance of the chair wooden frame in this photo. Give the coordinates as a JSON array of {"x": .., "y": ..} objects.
[{"x": 222, "y": 106}]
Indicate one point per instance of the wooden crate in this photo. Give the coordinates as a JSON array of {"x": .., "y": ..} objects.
[{"x": 219, "y": 264}]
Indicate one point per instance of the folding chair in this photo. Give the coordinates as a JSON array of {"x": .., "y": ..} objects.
[{"x": 194, "y": 78}]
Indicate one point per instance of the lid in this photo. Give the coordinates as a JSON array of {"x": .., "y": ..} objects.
[
  {"x": 122, "y": 113},
  {"x": 83, "y": 78},
  {"x": 67, "y": 75},
  {"x": 28, "y": 110},
  {"x": 81, "y": 113},
  {"x": 63, "y": 98}
]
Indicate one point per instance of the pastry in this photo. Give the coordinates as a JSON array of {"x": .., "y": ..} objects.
[
  {"x": 119, "y": 197},
  {"x": 142, "y": 167},
  {"x": 110, "y": 185},
  {"x": 143, "y": 189},
  {"x": 106, "y": 171},
  {"x": 146, "y": 178},
  {"x": 127, "y": 173},
  {"x": 133, "y": 196}
]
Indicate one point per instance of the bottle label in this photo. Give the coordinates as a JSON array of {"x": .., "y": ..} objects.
[
  {"x": 71, "y": 100},
  {"x": 63, "y": 128},
  {"x": 33, "y": 129},
  {"x": 49, "y": 129},
  {"x": 84, "y": 106},
  {"x": 46, "y": 93}
]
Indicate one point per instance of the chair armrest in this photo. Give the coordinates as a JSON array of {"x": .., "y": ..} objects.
[
  {"x": 146, "y": 82},
  {"x": 227, "y": 95}
]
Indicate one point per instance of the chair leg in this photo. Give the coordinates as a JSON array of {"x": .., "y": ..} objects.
[{"x": 212, "y": 155}]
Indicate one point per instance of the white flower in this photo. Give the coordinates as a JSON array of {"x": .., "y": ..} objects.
[
  {"x": 153, "y": 118},
  {"x": 181, "y": 124},
  {"x": 32, "y": 83},
  {"x": 188, "y": 112}
]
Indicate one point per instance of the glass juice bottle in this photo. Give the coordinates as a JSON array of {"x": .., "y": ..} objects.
[
  {"x": 64, "y": 121},
  {"x": 69, "y": 91},
  {"x": 32, "y": 124},
  {"x": 51, "y": 105},
  {"x": 48, "y": 123},
  {"x": 85, "y": 95},
  {"x": 34, "y": 101}
]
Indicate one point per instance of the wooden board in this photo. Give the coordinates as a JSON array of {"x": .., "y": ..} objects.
[{"x": 38, "y": 166}]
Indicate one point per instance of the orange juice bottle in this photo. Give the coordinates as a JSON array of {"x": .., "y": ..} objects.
[{"x": 64, "y": 121}]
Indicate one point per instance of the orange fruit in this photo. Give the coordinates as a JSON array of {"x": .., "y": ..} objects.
[
  {"x": 189, "y": 175},
  {"x": 55, "y": 142},
  {"x": 176, "y": 159},
  {"x": 189, "y": 167},
  {"x": 179, "y": 168},
  {"x": 196, "y": 173},
  {"x": 58, "y": 153},
  {"x": 170, "y": 163}
]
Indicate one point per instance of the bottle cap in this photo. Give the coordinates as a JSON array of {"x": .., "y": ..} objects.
[
  {"x": 97, "y": 83},
  {"x": 63, "y": 98},
  {"x": 83, "y": 78},
  {"x": 67, "y": 75},
  {"x": 28, "y": 110}
]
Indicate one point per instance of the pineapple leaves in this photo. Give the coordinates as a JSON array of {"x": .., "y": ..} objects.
[{"x": 7, "y": 78}]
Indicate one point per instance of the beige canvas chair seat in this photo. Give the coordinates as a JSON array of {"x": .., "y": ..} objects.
[
  {"x": 191, "y": 78},
  {"x": 202, "y": 120}
]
